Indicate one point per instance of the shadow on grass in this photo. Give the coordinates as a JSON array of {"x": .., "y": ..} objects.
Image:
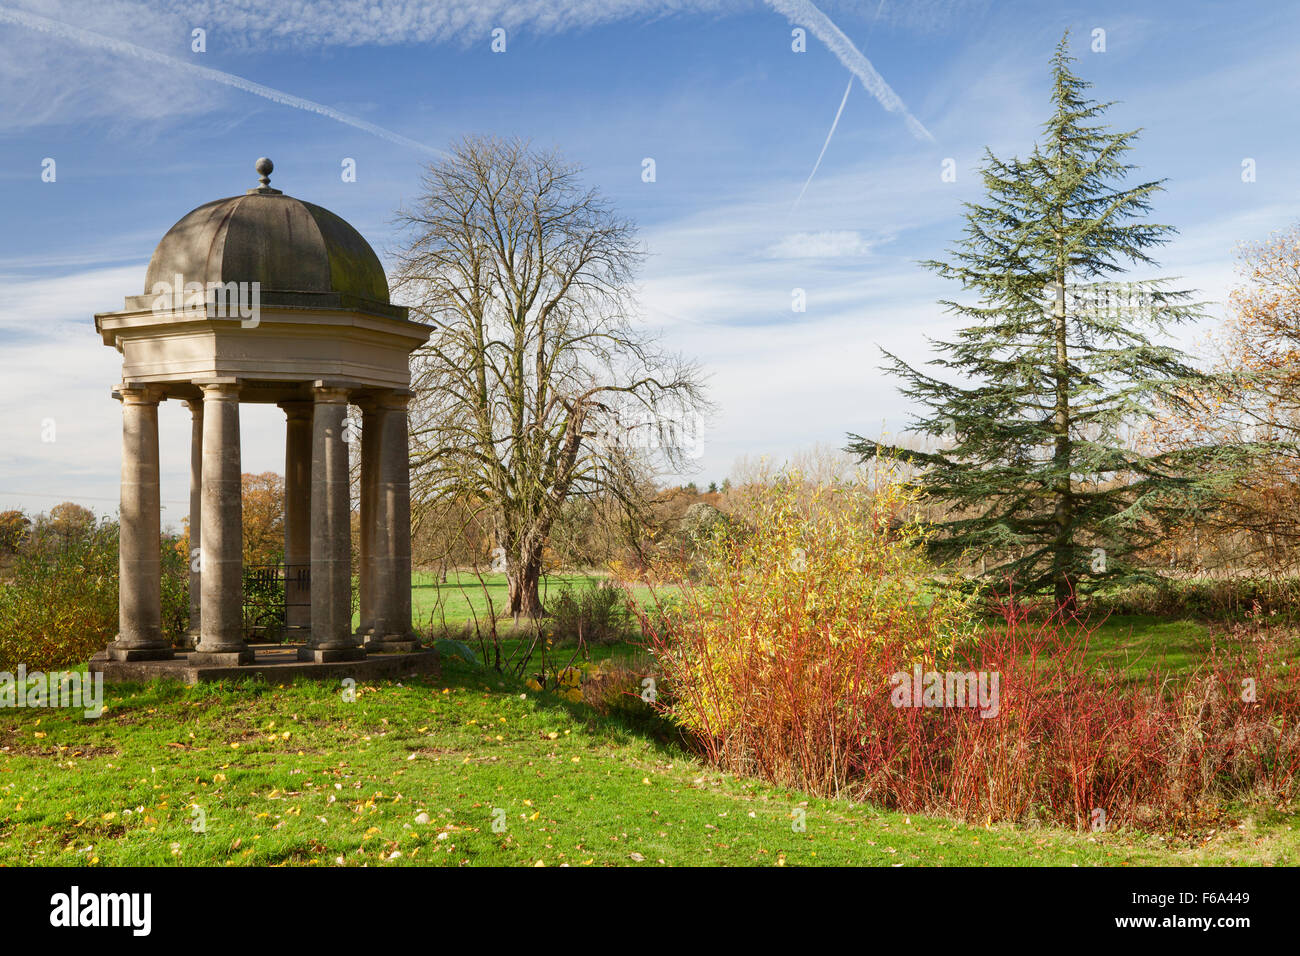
[
  {"x": 651, "y": 726},
  {"x": 129, "y": 704}
]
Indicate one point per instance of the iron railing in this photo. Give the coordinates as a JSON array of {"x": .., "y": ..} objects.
[{"x": 270, "y": 590}]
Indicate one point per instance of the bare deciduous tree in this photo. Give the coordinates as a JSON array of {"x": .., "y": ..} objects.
[{"x": 538, "y": 384}]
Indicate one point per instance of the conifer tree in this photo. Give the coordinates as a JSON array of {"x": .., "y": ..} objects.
[{"x": 1036, "y": 401}]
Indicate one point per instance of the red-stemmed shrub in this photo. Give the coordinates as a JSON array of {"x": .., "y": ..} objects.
[{"x": 789, "y": 675}]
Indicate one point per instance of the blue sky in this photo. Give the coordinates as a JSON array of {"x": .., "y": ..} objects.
[{"x": 710, "y": 89}]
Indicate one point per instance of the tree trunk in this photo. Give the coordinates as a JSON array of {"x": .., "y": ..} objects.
[
  {"x": 1066, "y": 602},
  {"x": 1062, "y": 459},
  {"x": 523, "y": 577}
]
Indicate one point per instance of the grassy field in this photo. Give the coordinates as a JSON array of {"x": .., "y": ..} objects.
[
  {"x": 464, "y": 597},
  {"x": 1135, "y": 643},
  {"x": 417, "y": 773},
  {"x": 1141, "y": 643}
]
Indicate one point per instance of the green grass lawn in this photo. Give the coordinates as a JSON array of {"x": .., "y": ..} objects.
[
  {"x": 416, "y": 773},
  {"x": 1135, "y": 643},
  {"x": 297, "y": 775},
  {"x": 1141, "y": 643},
  {"x": 464, "y": 597}
]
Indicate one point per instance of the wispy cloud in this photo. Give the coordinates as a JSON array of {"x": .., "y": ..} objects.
[
  {"x": 99, "y": 41},
  {"x": 805, "y": 14},
  {"x": 246, "y": 24},
  {"x": 817, "y": 165},
  {"x": 830, "y": 244},
  {"x": 394, "y": 22}
]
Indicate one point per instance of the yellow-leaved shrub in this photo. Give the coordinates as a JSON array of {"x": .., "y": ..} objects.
[{"x": 782, "y": 626}]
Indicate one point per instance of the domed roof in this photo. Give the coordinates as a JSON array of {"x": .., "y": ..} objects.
[{"x": 264, "y": 236}]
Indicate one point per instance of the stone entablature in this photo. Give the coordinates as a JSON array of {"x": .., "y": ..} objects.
[{"x": 291, "y": 345}]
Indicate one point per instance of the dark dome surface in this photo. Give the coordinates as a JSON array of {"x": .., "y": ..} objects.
[{"x": 264, "y": 236}]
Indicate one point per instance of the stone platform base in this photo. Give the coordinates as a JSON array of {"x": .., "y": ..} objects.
[
  {"x": 392, "y": 647},
  {"x": 272, "y": 662},
  {"x": 139, "y": 654},
  {"x": 217, "y": 658},
  {"x": 330, "y": 655}
]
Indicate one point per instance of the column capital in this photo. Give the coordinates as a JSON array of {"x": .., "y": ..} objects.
[
  {"x": 299, "y": 410},
  {"x": 219, "y": 391},
  {"x": 380, "y": 399},
  {"x": 195, "y": 405},
  {"x": 137, "y": 393},
  {"x": 329, "y": 394}
]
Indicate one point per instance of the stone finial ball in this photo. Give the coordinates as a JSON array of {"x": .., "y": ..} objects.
[{"x": 264, "y": 167}]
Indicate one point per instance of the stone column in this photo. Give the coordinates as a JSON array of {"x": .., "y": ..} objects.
[
  {"x": 297, "y": 519},
  {"x": 370, "y": 416},
  {"x": 140, "y": 635},
  {"x": 221, "y": 637},
  {"x": 331, "y": 533},
  {"x": 392, "y": 533},
  {"x": 196, "y": 520}
]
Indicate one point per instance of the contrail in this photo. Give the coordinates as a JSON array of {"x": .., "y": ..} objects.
[
  {"x": 803, "y": 13},
  {"x": 122, "y": 48},
  {"x": 817, "y": 165}
]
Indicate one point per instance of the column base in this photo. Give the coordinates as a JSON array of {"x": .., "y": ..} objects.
[
  {"x": 221, "y": 658},
  {"x": 116, "y": 653},
  {"x": 327, "y": 655},
  {"x": 395, "y": 645}
]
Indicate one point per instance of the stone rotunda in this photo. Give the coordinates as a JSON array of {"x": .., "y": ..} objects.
[{"x": 269, "y": 299}]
